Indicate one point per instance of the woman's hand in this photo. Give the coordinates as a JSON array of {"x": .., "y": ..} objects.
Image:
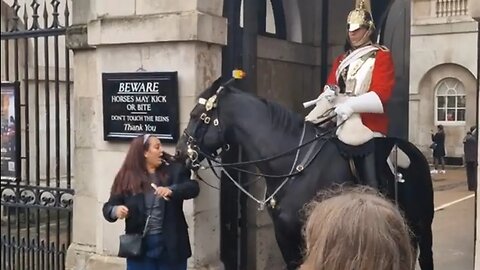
[
  {"x": 121, "y": 211},
  {"x": 163, "y": 192}
]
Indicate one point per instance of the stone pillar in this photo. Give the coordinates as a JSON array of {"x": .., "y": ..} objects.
[{"x": 127, "y": 36}]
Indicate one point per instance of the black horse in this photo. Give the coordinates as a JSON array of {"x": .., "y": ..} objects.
[{"x": 266, "y": 131}]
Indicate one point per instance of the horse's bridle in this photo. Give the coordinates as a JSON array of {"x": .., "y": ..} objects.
[
  {"x": 193, "y": 144},
  {"x": 211, "y": 111}
]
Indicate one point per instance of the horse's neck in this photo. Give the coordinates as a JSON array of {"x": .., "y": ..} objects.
[{"x": 254, "y": 130}]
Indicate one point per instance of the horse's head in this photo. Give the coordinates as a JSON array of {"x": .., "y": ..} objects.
[{"x": 204, "y": 134}]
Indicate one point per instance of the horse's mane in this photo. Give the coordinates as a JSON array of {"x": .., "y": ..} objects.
[{"x": 280, "y": 116}]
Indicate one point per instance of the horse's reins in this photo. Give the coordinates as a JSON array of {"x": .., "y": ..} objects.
[
  {"x": 265, "y": 200},
  {"x": 307, "y": 160},
  {"x": 195, "y": 150},
  {"x": 235, "y": 165}
]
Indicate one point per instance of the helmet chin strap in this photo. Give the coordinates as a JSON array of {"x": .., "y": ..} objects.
[{"x": 363, "y": 41}]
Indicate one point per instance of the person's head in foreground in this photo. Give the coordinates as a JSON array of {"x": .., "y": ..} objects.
[{"x": 356, "y": 229}]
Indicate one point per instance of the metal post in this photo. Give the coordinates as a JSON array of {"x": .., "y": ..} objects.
[
  {"x": 324, "y": 42},
  {"x": 250, "y": 32},
  {"x": 249, "y": 59}
]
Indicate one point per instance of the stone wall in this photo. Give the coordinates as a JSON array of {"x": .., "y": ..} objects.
[{"x": 147, "y": 35}]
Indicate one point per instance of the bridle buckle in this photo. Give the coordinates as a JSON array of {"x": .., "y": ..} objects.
[{"x": 210, "y": 103}]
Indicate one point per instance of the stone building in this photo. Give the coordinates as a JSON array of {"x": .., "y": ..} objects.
[
  {"x": 287, "y": 50},
  {"x": 187, "y": 37},
  {"x": 443, "y": 73}
]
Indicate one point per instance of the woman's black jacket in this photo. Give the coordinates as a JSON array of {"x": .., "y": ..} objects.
[
  {"x": 439, "y": 139},
  {"x": 174, "y": 224}
]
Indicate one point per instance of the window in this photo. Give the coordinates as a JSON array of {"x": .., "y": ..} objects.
[{"x": 450, "y": 101}]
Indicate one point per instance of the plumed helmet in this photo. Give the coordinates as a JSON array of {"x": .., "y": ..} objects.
[{"x": 360, "y": 16}]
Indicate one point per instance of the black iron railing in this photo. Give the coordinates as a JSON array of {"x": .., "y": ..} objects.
[{"x": 36, "y": 204}]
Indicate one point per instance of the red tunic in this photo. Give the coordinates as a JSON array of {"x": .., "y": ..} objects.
[{"x": 383, "y": 79}]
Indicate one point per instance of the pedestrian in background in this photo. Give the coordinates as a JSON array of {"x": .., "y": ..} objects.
[
  {"x": 148, "y": 192},
  {"x": 438, "y": 146},
  {"x": 356, "y": 229},
  {"x": 470, "y": 148}
]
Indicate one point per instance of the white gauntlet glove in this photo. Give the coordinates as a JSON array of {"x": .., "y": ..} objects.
[
  {"x": 329, "y": 93},
  {"x": 343, "y": 111},
  {"x": 366, "y": 103}
]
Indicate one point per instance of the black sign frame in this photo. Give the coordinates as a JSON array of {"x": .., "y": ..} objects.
[
  {"x": 16, "y": 159},
  {"x": 167, "y": 85}
]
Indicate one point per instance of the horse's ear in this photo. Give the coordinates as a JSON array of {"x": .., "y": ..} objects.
[
  {"x": 212, "y": 89},
  {"x": 216, "y": 84}
]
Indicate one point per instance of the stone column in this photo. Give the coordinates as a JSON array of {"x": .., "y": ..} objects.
[{"x": 127, "y": 36}]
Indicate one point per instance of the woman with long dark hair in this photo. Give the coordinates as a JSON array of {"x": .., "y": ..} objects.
[{"x": 148, "y": 192}]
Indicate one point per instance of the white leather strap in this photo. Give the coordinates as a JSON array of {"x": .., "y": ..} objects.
[{"x": 358, "y": 53}]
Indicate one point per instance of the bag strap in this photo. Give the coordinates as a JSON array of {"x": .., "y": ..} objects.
[{"x": 145, "y": 228}]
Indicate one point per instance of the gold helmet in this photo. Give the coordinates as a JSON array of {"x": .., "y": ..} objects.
[{"x": 360, "y": 16}]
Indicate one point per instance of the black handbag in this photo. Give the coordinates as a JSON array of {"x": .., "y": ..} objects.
[{"x": 131, "y": 244}]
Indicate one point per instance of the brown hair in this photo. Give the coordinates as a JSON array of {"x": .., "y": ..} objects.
[
  {"x": 356, "y": 229},
  {"x": 132, "y": 176}
]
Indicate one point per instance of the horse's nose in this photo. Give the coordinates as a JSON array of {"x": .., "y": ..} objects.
[
  {"x": 180, "y": 147},
  {"x": 180, "y": 155}
]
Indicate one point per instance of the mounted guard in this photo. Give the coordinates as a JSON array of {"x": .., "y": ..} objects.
[
  {"x": 297, "y": 159},
  {"x": 358, "y": 87}
]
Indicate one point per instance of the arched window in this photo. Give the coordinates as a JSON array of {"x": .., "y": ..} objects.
[{"x": 450, "y": 102}]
